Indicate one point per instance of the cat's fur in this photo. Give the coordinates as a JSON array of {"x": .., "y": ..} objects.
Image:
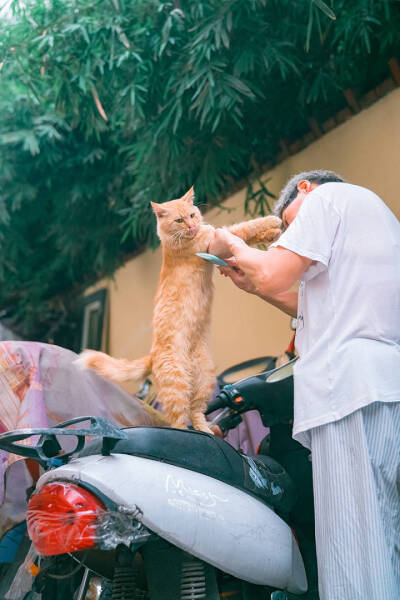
[{"x": 179, "y": 359}]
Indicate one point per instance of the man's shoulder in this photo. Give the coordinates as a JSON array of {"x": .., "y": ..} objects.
[
  {"x": 342, "y": 195},
  {"x": 342, "y": 189},
  {"x": 355, "y": 203}
]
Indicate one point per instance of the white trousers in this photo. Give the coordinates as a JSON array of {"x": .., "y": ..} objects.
[{"x": 356, "y": 478}]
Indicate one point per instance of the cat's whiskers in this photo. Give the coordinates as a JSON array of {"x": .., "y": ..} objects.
[
  {"x": 178, "y": 235},
  {"x": 177, "y": 238}
]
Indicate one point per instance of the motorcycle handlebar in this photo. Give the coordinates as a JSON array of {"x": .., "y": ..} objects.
[
  {"x": 222, "y": 400},
  {"x": 270, "y": 392}
]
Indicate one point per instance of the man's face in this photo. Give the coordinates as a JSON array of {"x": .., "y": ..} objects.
[{"x": 304, "y": 187}]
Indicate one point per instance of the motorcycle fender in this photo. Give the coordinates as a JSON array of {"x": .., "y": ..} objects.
[{"x": 208, "y": 518}]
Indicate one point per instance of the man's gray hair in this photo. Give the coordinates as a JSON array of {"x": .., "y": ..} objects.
[{"x": 289, "y": 192}]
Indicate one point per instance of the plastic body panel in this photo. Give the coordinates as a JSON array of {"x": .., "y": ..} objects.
[{"x": 210, "y": 519}]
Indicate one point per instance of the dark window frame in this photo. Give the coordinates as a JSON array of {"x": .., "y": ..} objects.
[{"x": 92, "y": 303}]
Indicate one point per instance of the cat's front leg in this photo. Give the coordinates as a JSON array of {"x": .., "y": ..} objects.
[
  {"x": 204, "y": 240},
  {"x": 260, "y": 230}
]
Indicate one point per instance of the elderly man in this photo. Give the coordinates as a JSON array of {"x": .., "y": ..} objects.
[{"x": 343, "y": 244}]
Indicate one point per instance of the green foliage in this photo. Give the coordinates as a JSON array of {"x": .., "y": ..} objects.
[
  {"x": 108, "y": 104},
  {"x": 258, "y": 201}
]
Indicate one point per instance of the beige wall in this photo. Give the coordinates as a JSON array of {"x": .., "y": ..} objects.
[{"x": 365, "y": 150}]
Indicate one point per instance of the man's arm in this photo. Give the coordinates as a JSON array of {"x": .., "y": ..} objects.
[
  {"x": 269, "y": 273},
  {"x": 285, "y": 301}
]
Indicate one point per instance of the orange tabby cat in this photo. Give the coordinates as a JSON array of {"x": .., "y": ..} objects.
[{"x": 179, "y": 358}]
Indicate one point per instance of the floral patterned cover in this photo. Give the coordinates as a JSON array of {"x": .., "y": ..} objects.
[{"x": 40, "y": 386}]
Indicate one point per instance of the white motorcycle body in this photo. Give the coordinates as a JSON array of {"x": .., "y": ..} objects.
[{"x": 212, "y": 520}]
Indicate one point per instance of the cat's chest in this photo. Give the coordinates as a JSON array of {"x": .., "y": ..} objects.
[
  {"x": 188, "y": 280},
  {"x": 195, "y": 278},
  {"x": 203, "y": 280}
]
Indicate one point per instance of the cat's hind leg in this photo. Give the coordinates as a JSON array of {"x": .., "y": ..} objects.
[
  {"x": 173, "y": 378},
  {"x": 204, "y": 380}
]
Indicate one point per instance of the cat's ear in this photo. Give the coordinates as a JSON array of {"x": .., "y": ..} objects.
[
  {"x": 158, "y": 209},
  {"x": 189, "y": 196}
]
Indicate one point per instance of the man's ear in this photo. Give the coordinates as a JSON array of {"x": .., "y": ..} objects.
[
  {"x": 189, "y": 196},
  {"x": 158, "y": 209},
  {"x": 304, "y": 186}
]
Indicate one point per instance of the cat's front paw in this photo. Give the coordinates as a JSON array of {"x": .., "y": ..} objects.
[
  {"x": 273, "y": 222},
  {"x": 269, "y": 236},
  {"x": 273, "y": 234}
]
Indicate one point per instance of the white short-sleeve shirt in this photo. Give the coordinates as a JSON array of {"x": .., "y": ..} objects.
[{"x": 348, "y": 325}]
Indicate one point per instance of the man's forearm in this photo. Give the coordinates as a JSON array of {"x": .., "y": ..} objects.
[
  {"x": 272, "y": 273},
  {"x": 285, "y": 301}
]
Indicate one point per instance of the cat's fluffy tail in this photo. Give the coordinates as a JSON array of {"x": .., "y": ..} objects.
[{"x": 116, "y": 369}]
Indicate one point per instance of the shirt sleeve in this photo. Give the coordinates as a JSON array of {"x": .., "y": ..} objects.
[{"x": 312, "y": 233}]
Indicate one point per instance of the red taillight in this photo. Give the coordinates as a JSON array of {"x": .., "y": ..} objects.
[{"x": 62, "y": 518}]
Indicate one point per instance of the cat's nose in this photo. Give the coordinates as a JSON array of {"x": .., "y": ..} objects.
[{"x": 192, "y": 229}]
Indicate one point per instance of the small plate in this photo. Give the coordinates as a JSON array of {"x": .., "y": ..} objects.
[{"x": 214, "y": 259}]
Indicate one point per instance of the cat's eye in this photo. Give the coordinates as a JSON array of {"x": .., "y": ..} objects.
[
  {"x": 179, "y": 220},
  {"x": 192, "y": 215}
]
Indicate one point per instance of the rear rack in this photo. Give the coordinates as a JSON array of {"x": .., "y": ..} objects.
[{"x": 47, "y": 451}]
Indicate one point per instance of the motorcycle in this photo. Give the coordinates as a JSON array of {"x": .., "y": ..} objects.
[{"x": 165, "y": 514}]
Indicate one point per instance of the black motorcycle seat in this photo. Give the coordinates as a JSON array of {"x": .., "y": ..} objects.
[{"x": 260, "y": 476}]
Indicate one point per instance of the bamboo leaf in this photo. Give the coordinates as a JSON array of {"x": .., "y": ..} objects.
[
  {"x": 98, "y": 104},
  {"x": 325, "y": 9}
]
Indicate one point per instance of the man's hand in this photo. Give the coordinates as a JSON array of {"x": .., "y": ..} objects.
[
  {"x": 285, "y": 301},
  {"x": 222, "y": 243},
  {"x": 238, "y": 277}
]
